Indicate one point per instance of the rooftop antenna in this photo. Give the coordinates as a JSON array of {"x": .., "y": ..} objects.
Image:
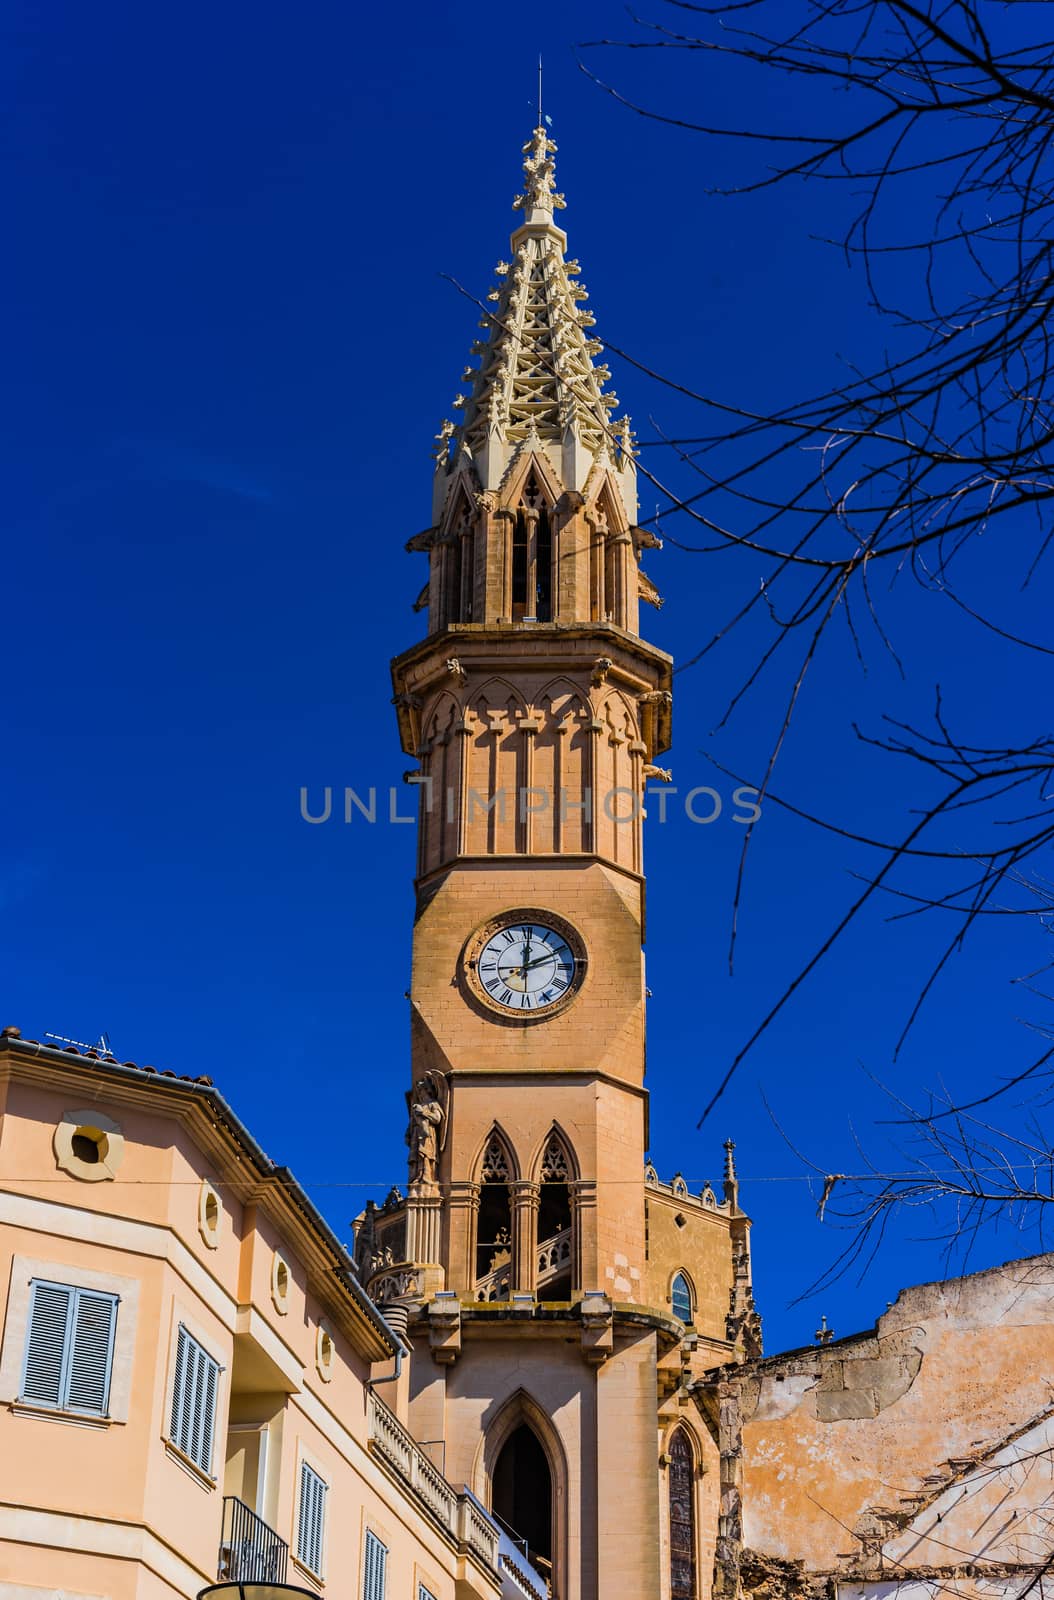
[{"x": 102, "y": 1044}]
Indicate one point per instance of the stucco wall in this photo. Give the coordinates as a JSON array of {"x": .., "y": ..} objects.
[
  {"x": 104, "y": 1506},
  {"x": 852, "y": 1457}
]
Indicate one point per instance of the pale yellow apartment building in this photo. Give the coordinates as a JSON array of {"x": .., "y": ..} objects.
[{"x": 185, "y": 1366}]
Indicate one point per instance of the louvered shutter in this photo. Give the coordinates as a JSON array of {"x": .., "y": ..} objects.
[
  {"x": 194, "y": 1389},
  {"x": 311, "y": 1521},
  {"x": 69, "y": 1350},
  {"x": 49, "y": 1323},
  {"x": 424, "y": 1594},
  {"x": 93, "y": 1321},
  {"x": 374, "y": 1569}
]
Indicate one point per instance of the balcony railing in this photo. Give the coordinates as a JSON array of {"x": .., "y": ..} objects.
[
  {"x": 460, "y": 1514},
  {"x": 552, "y": 1258},
  {"x": 250, "y": 1551},
  {"x": 523, "y": 1571}
]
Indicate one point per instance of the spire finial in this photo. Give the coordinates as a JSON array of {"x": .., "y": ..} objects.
[
  {"x": 731, "y": 1184},
  {"x": 540, "y": 172}
]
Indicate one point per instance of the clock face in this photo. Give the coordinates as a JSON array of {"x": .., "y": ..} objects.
[{"x": 526, "y": 965}]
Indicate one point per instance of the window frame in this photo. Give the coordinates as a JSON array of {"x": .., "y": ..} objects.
[
  {"x": 62, "y": 1406},
  {"x": 179, "y": 1379},
  {"x": 681, "y": 1277}
]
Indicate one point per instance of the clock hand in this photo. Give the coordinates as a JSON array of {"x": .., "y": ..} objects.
[{"x": 539, "y": 961}]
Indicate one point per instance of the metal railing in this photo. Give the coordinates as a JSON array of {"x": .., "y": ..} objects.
[
  {"x": 250, "y": 1551},
  {"x": 529, "y": 1572}
]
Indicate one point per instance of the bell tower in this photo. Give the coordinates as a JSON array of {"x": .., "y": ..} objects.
[
  {"x": 535, "y": 710},
  {"x": 531, "y": 1253}
]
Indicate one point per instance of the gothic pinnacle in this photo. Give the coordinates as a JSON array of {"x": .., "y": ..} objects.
[
  {"x": 538, "y": 379},
  {"x": 540, "y": 171}
]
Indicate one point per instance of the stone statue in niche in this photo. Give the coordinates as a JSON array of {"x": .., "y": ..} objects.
[{"x": 427, "y": 1107}]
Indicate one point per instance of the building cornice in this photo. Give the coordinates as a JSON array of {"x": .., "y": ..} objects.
[{"x": 240, "y": 1164}]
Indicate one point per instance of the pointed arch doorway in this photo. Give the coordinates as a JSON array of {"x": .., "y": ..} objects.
[
  {"x": 520, "y": 1471},
  {"x": 522, "y": 1496}
]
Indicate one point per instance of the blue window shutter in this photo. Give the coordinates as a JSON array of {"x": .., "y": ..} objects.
[
  {"x": 194, "y": 1388},
  {"x": 69, "y": 1350},
  {"x": 91, "y": 1351},
  {"x": 375, "y": 1568},
  {"x": 311, "y": 1521},
  {"x": 49, "y": 1324},
  {"x": 176, "y": 1429}
]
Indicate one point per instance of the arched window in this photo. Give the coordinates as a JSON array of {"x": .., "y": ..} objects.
[
  {"x": 519, "y": 567},
  {"x": 494, "y": 1226},
  {"x": 543, "y": 609},
  {"x": 681, "y": 1297},
  {"x": 554, "y": 1224},
  {"x": 453, "y": 578},
  {"x": 682, "y": 1517}
]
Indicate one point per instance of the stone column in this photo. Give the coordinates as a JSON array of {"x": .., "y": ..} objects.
[
  {"x": 585, "y": 1268},
  {"x": 463, "y": 1211},
  {"x": 423, "y": 1207},
  {"x": 525, "y": 1197},
  {"x": 625, "y": 583},
  {"x": 638, "y": 751}
]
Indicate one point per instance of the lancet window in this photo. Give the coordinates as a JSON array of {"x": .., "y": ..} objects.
[
  {"x": 555, "y": 1244},
  {"x": 494, "y": 1225},
  {"x": 458, "y": 568},
  {"x": 682, "y": 1517},
  {"x": 532, "y": 556}
]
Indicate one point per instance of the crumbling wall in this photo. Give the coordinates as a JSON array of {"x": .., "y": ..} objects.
[{"x": 834, "y": 1459}]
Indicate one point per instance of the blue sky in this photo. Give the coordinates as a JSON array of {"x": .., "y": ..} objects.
[{"x": 229, "y": 347}]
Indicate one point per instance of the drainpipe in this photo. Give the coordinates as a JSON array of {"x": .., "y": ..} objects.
[{"x": 395, "y": 1322}]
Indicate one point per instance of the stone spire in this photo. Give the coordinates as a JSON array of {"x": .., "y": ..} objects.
[
  {"x": 538, "y": 377},
  {"x": 731, "y": 1184}
]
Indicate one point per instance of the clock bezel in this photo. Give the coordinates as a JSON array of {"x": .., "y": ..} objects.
[{"x": 481, "y": 936}]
